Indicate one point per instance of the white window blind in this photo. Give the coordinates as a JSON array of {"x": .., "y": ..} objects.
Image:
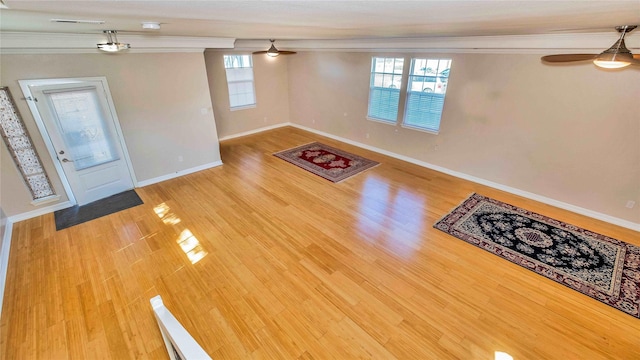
[
  {"x": 426, "y": 91},
  {"x": 239, "y": 69},
  {"x": 384, "y": 88}
]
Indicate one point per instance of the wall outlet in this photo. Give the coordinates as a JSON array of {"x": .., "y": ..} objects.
[
  {"x": 180, "y": 158},
  {"x": 204, "y": 111},
  {"x": 313, "y": 121},
  {"x": 366, "y": 135},
  {"x": 630, "y": 204},
  {"x": 265, "y": 119}
]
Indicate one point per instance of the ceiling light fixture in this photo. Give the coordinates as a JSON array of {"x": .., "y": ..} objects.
[
  {"x": 152, "y": 25},
  {"x": 273, "y": 51},
  {"x": 112, "y": 44},
  {"x": 617, "y": 56}
]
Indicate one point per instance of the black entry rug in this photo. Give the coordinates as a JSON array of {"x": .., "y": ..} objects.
[
  {"x": 79, "y": 214},
  {"x": 603, "y": 268}
]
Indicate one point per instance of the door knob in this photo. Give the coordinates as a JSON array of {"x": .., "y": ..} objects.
[
  {"x": 61, "y": 152},
  {"x": 66, "y": 160}
]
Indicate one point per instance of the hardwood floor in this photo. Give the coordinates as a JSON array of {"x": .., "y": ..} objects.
[{"x": 289, "y": 265}]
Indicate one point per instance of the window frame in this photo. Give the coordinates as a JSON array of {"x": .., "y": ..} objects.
[
  {"x": 253, "y": 81},
  {"x": 372, "y": 74},
  {"x": 403, "y": 123},
  {"x": 405, "y": 89}
]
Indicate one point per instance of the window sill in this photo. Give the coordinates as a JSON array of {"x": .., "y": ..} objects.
[
  {"x": 45, "y": 200},
  {"x": 242, "y": 107},
  {"x": 387, "y": 122},
  {"x": 421, "y": 130}
]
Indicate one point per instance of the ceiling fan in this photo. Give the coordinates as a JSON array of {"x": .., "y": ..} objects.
[
  {"x": 617, "y": 56},
  {"x": 273, "y": 52}
]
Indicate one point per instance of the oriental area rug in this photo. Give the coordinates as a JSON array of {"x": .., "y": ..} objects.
[
  {"x": 325, "y": 161},
  {"x": 603, "y": 268}
]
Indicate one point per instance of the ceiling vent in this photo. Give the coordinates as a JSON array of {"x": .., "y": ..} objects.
[{"x": 73, "y": 21}]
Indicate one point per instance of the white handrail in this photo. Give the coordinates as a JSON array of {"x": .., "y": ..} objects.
[{"x": 180, "y": 345}]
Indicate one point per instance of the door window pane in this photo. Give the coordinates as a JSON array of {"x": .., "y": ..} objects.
[{"x": 82, "y": 125}]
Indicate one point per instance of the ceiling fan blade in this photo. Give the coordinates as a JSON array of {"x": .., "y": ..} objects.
[
  {"x": 636, "y": 56},
  {"x": 285, "y": 52},
  {"x": 568, "y": 57},
  {"x": 260, "y": 52}
]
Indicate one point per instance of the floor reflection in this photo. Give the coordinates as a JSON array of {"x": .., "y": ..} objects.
[
  {"x": 187, "y": 241},
  {"x": 499, "y": 355},
  {"x": 390, "y": 217}
]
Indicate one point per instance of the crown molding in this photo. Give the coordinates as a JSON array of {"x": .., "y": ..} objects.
[
  {"x": 575, "y": 42},
  {"x": 62, "y": 51},
  {"x": 60, "y": 43}
]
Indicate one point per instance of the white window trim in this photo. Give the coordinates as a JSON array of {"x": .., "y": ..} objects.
[
  {"x": 253, "y": 85},
  {"x": 371, "y": 72},
  {"x": 406, "y": 100},
  {"x": 383, "y": 121},
  {"x": 409, "y": 127},
  {"x": 244, "y": 107}
]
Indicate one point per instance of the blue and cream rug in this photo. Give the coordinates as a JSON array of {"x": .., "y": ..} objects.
[{"x": 603, "y": 268}]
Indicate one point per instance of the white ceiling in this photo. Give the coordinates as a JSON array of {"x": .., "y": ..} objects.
[
  {"x": 328, "y": 19},
  {"x": 542, "y": 26}
]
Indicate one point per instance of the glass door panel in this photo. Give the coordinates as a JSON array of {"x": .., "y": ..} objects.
[{"x": 82, "y": 125}]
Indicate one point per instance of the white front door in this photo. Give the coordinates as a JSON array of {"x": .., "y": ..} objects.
[{"x": 84, "y": 135}]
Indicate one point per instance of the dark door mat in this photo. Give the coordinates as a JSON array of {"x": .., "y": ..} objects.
[{"x": 78, "y": 214}]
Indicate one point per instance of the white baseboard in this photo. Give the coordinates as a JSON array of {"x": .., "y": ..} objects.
[
  {"x": 162, "y": 178},
  {"x": 255, "y": 131},
  {"x": 49, "y": 209},
  {"x": 4, "y": 259},
  {"x": 45, "y": 210},
  {"x": 543, "y": 199}
]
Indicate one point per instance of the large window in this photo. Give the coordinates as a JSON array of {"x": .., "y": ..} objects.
[
  {"x": 384, "y": 88},
  {"x": 427, "y": 87},
  {"x": 239, "y": 70}
]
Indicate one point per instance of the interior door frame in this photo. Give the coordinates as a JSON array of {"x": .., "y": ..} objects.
[{"x": 26, "y": 90}]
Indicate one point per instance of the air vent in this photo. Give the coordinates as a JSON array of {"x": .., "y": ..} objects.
[{"x": 72, "y": 21}]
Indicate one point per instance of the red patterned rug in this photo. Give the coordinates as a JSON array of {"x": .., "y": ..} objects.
[
  {"x": 330, "y": 163},
  {"x": 601, "y": 267}
]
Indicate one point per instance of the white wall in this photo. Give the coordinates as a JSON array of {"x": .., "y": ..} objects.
[
  {"x": 569, "y": 133},
  {"x": 272, "y": 94},
  {"x": 162, "y": 101}
]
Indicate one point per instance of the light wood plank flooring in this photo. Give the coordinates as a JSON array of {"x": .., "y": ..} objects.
[{"x": 294, "y": 266}]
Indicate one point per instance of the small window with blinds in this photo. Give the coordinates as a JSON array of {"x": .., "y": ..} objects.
[
  {"x": 239, "y": 69},
  {"x": 426, "y": 90},
  {"x": 384, "y": 89}
]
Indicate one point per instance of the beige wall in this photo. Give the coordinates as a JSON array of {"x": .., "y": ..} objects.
[
  {"x": 272, "y": 94},
  {"x": 159, "y": 100},
  {"x": 570, "y": 133}
]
